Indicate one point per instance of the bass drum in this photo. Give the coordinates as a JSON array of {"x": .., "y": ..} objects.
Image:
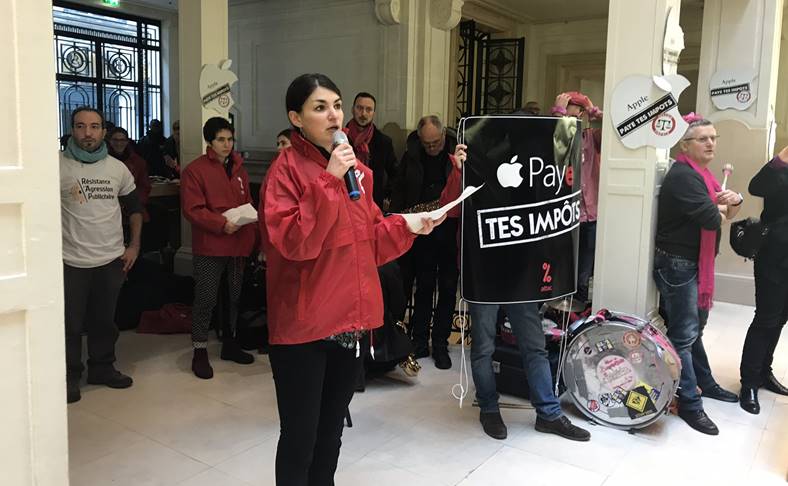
[{"x": 620, "y": 371}]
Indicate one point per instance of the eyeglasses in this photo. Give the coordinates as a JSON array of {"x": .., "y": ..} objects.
[{"x": 712, "y": 139}]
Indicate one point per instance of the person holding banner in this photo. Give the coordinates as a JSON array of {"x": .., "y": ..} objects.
[
  {"x": 691, "y": 208},
  {"x": 771, "y": 286},
  {"x": 323, "y": 251},
  {"x": 527, "y": 326},
  {"x": 578, "y": 105}
]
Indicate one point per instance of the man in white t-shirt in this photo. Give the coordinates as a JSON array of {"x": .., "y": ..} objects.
[{"x": 93, "y": 186}]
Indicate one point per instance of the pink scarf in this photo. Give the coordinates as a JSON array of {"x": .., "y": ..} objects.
[
  {"x": 708, "y": 238},
  {"x": 360, "y": 137}
]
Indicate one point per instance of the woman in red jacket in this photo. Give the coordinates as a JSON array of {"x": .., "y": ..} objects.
[
  {"x": 323, "y": 250},
  {"x": 210, "y": 185}
]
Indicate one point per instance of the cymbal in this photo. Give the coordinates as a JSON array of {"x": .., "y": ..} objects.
[{"x": 566, "y": 305}]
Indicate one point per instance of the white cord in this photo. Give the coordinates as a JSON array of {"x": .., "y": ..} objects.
[
  {"x": 460, "y": 390},
  {"x": 563, "y": 345}
]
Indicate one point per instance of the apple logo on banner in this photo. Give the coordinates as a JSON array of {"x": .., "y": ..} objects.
[
  {"x": 644, "y": 110},
  {"x": 509, "y": 174}
]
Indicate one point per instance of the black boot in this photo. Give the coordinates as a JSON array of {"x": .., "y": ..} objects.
[
  {"x": 109, "y": 377},
  {"x": 201, "y": 367},
  {"x": 748, "y": 400},
  {"x": 493, "y": 425},
  {"x": 72, "y": 390},
  {"x": 231, "y": 351},
  {"x": 774, "y": 386}
]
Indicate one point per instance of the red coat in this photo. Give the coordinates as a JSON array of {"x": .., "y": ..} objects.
[
  {"x": 206, "y": 193},
  {"x": 322, "y": 249}
]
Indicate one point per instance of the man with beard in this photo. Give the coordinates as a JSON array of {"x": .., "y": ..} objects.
[
  {"x": 372, "y": 147},
  {"x": 93, "y": 186}
]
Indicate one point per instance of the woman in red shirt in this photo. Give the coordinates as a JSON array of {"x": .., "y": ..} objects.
[
  {"x": 210, "y": 185},
  {"x": 322, "y": 250}
]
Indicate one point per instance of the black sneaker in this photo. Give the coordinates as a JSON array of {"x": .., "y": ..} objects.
[
  {"x": 719, "y": 393},
  {"x": 698, "y": 420},
  {"x": 231, "y": 351},
  {"x": 109, "y": 377},
  {"x": 442, "y": 359},
  {"x": 563, "y": 427},
  {"x": 493, "y": 425},
  {"x": 72, "y": 391}
]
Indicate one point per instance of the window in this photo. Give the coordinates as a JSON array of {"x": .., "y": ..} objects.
[{"x": 110, "y": 61}]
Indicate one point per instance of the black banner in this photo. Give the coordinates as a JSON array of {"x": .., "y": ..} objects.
[{"x": 520, "y": 232}]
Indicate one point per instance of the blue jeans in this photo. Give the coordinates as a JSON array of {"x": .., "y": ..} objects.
[
  {"x": 677, "y": 282},
  {"x": 527, "y": 327}
]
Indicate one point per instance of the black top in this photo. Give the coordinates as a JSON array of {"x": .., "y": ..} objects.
[
  {"x": 771, "y": 183},
  {"x": 383, "y": 163},
  {"x": 409, "y": 187},
  {"x": 684, "y": 208}
]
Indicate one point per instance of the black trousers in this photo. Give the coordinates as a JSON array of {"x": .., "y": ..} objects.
[
  {"x": 435, "y": 259},
  {"x": 90, "y": 295},
  {"x": 314, "y": 385},
  {"x": 771, "y": 312}
]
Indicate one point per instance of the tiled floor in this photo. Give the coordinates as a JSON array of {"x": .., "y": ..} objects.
[{"x": 171, "y": 428}]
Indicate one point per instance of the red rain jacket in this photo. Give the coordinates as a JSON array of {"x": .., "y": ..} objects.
[
  {"x": 206, "y": 193},
  {"x": 322, "y": 249}
]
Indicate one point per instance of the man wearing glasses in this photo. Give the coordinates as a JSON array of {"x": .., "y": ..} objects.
[
  {"x": 692, "y": 206},
  {"x": 423, "y": 172}
]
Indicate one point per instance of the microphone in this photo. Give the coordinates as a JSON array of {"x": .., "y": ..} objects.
[
  {"x": 727, "y": 170},
  {"x": 350, "y": 176}
]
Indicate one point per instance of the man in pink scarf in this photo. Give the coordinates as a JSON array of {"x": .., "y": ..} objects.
[{"x": 692, "y": 206}]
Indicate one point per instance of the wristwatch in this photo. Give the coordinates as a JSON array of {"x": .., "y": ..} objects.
[{"x": 741, "y": 200}]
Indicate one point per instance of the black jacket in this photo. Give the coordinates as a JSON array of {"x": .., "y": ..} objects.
[
  {"x": 383, "y": 163},
  {"x": 771, "y": 183},
  {"x": 407, "y": 189}
]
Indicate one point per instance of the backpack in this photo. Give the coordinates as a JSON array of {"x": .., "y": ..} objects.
[{"x": 747, "y": 237}]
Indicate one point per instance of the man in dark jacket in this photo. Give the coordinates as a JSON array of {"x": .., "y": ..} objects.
[
  {"x": 372, "y": 147},
  {"x": 423, "y": 173}
]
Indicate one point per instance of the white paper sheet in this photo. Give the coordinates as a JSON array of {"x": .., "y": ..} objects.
[
  {"x": 414, "y": 219},
  {"x": 241, "y": 215}
]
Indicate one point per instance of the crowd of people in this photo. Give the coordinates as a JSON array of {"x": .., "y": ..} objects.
[{"x": 322, "y": 251}]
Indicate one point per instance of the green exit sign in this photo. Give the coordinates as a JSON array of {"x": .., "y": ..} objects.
[{"x": 111, "y": 3}]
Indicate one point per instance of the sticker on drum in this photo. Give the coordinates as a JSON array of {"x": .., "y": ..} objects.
[
  {"x": 636, "y": 357},
  {"x": 631, "y": 339},
  {"x": 616, "y": 371},
  {"x": 593, "y": 405},
  {"x": 606, "y": 399}
]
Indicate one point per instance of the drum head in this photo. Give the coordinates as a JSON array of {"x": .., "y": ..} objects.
[{"x": 621, "y": 375}]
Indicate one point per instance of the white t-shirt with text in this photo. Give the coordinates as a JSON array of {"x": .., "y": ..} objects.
[{"x": 90, "y": 210}]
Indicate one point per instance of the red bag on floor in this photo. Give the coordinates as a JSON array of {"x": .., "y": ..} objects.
[{"x": 170, "y": 319}]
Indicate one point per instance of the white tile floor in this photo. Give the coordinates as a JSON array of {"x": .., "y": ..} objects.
[{"x": 171, "y": 428}]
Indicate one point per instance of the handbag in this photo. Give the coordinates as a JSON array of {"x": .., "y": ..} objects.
[
  {"x": 747, "y": 236},
  {"x": 170, "y": 319}
]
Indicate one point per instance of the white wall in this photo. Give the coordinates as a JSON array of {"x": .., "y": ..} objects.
[{"x": 272, "y": 42}]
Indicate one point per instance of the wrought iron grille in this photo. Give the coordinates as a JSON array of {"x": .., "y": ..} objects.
[
  {"x": 489, "y": 72},
  {"x": 108, "y": 60}
]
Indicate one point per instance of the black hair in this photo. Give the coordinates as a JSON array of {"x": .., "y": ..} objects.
[
  {"x": 86, "y": 108},
  {"x": 284, "y": 133},
  {"x": 364, "y": 94},
  {"x": 115, "y": 130},
  {"x": 213, "y": 126},
  {"x": 303, "y": 86}
]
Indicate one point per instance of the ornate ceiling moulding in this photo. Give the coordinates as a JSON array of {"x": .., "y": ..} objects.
[
  {"x": 493, "y": 15},
  {"x": 387, "y": 11},
  {"x": 446, "y": 14}
]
